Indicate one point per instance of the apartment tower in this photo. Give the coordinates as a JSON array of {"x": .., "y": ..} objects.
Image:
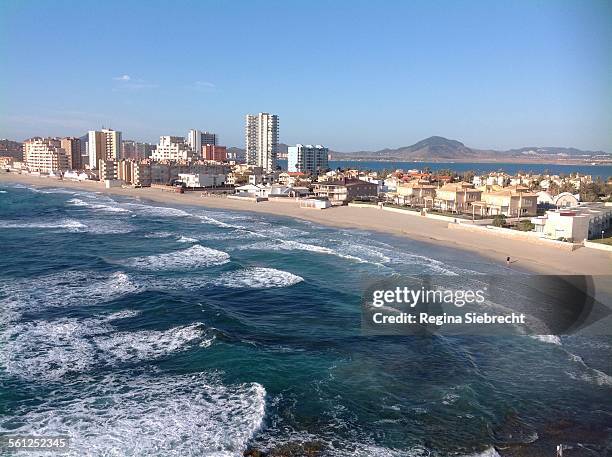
[
  {"x": 262, "y": 140},
  {"x": 103, "y": 145}
]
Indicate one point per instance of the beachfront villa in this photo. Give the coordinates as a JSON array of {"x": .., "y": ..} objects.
[
  {"x": 414, "y": 193},
  {"x": 454, "y": 197},
  {"x": 345, "y": 190},
  {"x": 514, "y": 201}
]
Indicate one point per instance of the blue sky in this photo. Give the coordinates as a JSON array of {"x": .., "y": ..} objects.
[{"x": 348, "y": 74}]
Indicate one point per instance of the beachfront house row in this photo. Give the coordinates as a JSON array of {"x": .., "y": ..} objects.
[
  {"x": 454, "y": 197},
  {"x": 345, "y": 190},
  {"x": 514, "y": 201},
  {"x": 414, "y": 193},
  {"x": 582, "y": 222}
]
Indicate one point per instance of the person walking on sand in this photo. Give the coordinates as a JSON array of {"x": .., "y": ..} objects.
[{"x": 508, "y": 261}]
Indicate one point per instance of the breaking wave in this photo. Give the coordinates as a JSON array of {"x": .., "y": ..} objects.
[
  {"x": 194, "y": 257},
  {"x": 149, "y": 414},
  {"x": 258, "y": 278}
]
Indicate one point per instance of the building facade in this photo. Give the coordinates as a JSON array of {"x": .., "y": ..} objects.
[
  {"x": 103, "y": 145},
  {"x": 213, "y": 152},
  {"x": 173, "y": 148},
  {"x": 72, "y": 147},
  {"x": 345, "y": 190},
  {"x": 44, "y": 155},
  {"x": 261, "y": 139},
  {"x": 307, "y": 159}
]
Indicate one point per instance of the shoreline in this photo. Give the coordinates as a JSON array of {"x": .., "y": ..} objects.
[{"x": 525, "y": 256}]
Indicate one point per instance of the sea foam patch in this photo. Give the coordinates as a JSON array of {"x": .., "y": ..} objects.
[
  {"x": 98, "y": 206},
  {"x": 194, "y": 257},
  {"x": 149, "y": 414},
  {"x": 258, "y": 278}
]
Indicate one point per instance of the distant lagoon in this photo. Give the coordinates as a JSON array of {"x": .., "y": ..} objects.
[{"x": 603, "y": 171}]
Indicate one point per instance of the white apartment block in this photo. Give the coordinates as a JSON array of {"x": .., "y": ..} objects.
[
  {"x": 103, "y": 145},
  {"x": 307, "y": 159},
  {"x": 173, "y": 148},
  {"x": 45, "y": 155},
  {"x": 261, "y": 140}
]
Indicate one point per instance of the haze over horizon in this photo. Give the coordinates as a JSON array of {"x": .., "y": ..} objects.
[{"x": 350, "y": 75}]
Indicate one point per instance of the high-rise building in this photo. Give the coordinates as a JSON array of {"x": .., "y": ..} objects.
[
  {"x": 307, "y": 158},
  {"x": 103, "y": 145},
  {"x": 209, "y": 138},
  {"x": 262, "y": 140},
  {"x": 194, "y": 141},
  {"x": 72, "y": 147},
  {"x": 44, "y": 155},
  {"x": 172, "y": 148},
  {"x": 131, "y": 149}
]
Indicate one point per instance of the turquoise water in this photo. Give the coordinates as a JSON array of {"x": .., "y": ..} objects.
[
  {"x": 140, "y": 329},
  {"x": 603, "y": 172}
]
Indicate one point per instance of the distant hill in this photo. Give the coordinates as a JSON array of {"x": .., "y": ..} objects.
[{"x": 440, "y": 149}]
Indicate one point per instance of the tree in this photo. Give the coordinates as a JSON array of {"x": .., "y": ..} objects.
[
  {"x": 525, "y": 226},
  {"x": 499, "y": 220}
]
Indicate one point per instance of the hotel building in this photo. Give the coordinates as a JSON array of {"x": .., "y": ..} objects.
[
  {"x": 103, "y": 145},
  {"x": 173, "y": 148},
  {"x": 261, "y": 138},
  {"x": 44, "y": 155},
  {"x": 307, "y": 159}
]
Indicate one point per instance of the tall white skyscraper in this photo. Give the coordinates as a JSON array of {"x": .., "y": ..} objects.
[
  {"x": 194, "y": 140},
  {"x": 307, "y": 158},
  {"x": 262, "y": 140},
  {"x": 103, "y": 145}
]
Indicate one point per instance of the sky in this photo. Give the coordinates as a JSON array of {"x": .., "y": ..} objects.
[{"x": 351, "y": 75}]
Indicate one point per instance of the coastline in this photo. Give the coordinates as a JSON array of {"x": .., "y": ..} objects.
[{"x": 525, "y": 256}]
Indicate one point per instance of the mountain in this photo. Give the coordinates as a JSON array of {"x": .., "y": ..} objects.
[{"x": 440, "y": 149}]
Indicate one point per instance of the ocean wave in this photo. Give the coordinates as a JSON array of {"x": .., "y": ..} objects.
[
  {"x": 149, "y": 414},
  {"x": 550, "y": 339},
  {"x": 53, "y": 350},
  {"x": 187, "y": 239},
  {"x": 43, "y": 350},
  {"x": 63, "y": 289},
  {"x": 194, "y": 257},
  {"x": 69, "y": 224},
  {"x": 292, "y": 245},
  {"x": 98, "y": 206},
  {"x": 149, "y": 345},
  {"x": 258, "y": 278},
  {"x": 157, "y": 211}
]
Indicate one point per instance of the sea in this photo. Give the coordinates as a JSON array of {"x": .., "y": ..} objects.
[
  {"x": 139, "y": 329},
  {"x": 596, "y": 171}
]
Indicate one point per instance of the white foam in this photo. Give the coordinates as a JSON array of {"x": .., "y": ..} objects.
[
  {"x": 69, "y": 224},
  {"x": 64, "y": 289},
  {"x": 2, "y": 191},
  {"x": 550, "y": 339},
  {"x": 151, "y": 344},
  {"x": 489, "y": 452},
  {"x": 157, "y": 211},
  {"x": 98, "y": 206},
  {"x": 193, "y": 257},
  {"x": 142, "y": 415},
  {"x": 125, "y": 314},
  {"x": 43, "y": 350},
  {"x": 187, "y": 239},
  {"x": 258, "y": 278}
]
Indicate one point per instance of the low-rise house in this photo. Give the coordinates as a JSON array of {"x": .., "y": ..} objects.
[
  {"x": 414, "y": 193},
  {"x": 566, "y": 200},
  {"x": 345, "y": 190},
  {"x": 456, "y": 197},
  {"x": 514, "y": 201},
  {"x": 576, "y": 224},
  {"x": 197, "y": 180}
]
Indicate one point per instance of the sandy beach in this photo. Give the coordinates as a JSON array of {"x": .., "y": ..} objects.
[{"x": 540, "y": 259}]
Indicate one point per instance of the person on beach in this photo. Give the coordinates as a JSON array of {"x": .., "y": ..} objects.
[{"x": 508, "y": 261}]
